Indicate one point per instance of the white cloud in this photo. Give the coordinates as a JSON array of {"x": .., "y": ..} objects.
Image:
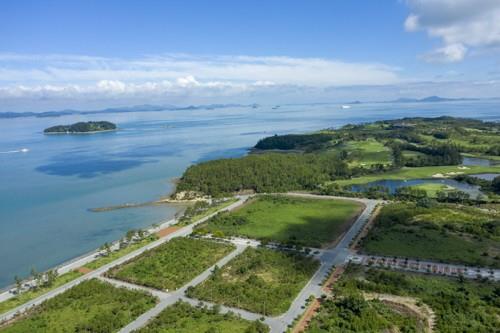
[
  {"x": 84, "y": 77},
  {"x": 460, "y": 24},
  {"x": 280, "y": 70},
  {"x": 448, "y": 53}
]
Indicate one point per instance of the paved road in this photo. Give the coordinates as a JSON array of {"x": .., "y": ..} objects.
[
  {"x": 96, "y": 273},
  {"x": 170, "y": 298},
  {"x": 429, "y": 267},
  {"x": 328, "y": 258},
  {"x": 279, "y": 324}
]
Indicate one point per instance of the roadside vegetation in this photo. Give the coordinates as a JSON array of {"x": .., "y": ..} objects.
[
  {"x": 258, "y": 280},
  {"x": 201, "y": 209},
  {"x": 91, "y": 306},
  {"x": 440, "y": 232},
  {"x": 460, "y": 306},
  {"x": 184, "y": 318},
  {"x": 172, "y": 264},
  {"x": 127, "y": 246},
  {"x": 36, "y": 291},
  {"x": 285, "y": 219}
]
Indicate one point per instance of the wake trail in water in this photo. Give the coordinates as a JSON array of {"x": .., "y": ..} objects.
[{"x": 23, "y": 150}]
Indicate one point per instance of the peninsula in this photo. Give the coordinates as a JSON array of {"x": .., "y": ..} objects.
[{"x": 81, "y": 127}]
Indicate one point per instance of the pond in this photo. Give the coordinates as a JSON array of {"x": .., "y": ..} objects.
[
  {"x": 472, "y": 161},
  {"x": 486, "y": 176},
  {"x": 392, "y": 185}
]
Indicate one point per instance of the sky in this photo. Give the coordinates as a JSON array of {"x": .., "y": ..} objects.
[{"x": 87, "y": 54}]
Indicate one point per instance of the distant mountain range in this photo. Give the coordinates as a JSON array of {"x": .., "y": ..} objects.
[
  {"x": 430, "y": 99},
  {"x": 136, "y": 108}
]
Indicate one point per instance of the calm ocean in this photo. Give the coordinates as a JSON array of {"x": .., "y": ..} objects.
[{"x": 45, "y": 193}]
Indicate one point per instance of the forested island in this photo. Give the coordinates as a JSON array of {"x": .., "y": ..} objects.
[{"x": 81, "y": 127}]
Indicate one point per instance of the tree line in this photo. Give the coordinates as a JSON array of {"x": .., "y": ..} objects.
[{"x": 271, "y": 172}]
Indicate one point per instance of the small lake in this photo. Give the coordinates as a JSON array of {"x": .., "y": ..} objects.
[
  {"x": 486, "y": 176},
  {"x": 471, "y": 161},
  {"x": 392, "y": 185}
]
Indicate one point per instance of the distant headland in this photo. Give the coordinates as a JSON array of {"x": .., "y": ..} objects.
[{"x": 81, "y": 127}]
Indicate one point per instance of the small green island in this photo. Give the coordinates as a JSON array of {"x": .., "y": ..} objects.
[{"x": 81, "y": 127}]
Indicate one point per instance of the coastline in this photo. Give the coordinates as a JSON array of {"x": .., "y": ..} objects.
[{"x": 83, "y": 259}]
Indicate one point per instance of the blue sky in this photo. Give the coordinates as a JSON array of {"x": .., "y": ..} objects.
[{"x": 85, "y": 53}]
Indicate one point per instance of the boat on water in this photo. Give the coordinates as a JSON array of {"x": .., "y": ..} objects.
[{"x": 345, "y": 106}]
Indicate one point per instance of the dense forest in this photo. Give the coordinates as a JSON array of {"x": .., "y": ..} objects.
[
  {"x": 271, "y": 172},
  {"x": 82, "y": 127},
  {"x": 294, "y": 141}
]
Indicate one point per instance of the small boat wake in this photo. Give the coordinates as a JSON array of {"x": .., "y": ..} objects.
[{"x": 22, "y": 150}]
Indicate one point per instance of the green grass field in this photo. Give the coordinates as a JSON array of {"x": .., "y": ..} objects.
[
  {"x": 367, "y": 152},
  {"x": 183, "y": 318},
  {"x": 173, "y": 264},
  {"x": 29, "y": 295},
  {"x": 91, "y": 306},
  {"x": 308, "y": 222},
  {"x": 459, "y": 305},
  {"x": 442, "y": 233},
  {"x": 259, "y": 280},
  {"x": 432, "y": 188},
  {"x": 416, "y": 173},
  {"x": 411, "y": 153}
]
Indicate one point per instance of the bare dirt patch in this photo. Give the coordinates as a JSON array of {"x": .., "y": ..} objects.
[
  {"x": 303, "y": 323},
  {"x": 166, "y": 231},
  {"x": 84, "y": 270},
  {"x": 337, "y": 272}
]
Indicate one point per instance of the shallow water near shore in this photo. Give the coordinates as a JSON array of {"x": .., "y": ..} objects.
[{"x": 46, "y": 190}]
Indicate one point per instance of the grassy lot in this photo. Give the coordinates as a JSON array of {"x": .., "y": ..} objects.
[
  {"x": 173, "y": 264},
  {"x": 411, "y": 153},
  {"x": 460, "y": 306},
  {"x": 308, "y": 222},
  {"x": 367, "y": 152},
  {"x": 92, "y": 306},
  {"x": 445, "y": 233},
  {"x": 415, "y": 173},
  {"x": 183, "y": 318},
  {"x": 432, "y": 188},
  {"x": 120, "y": 253},
  {"x": 259, "y": 280},
  {"x": 30, "y": 295}
]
